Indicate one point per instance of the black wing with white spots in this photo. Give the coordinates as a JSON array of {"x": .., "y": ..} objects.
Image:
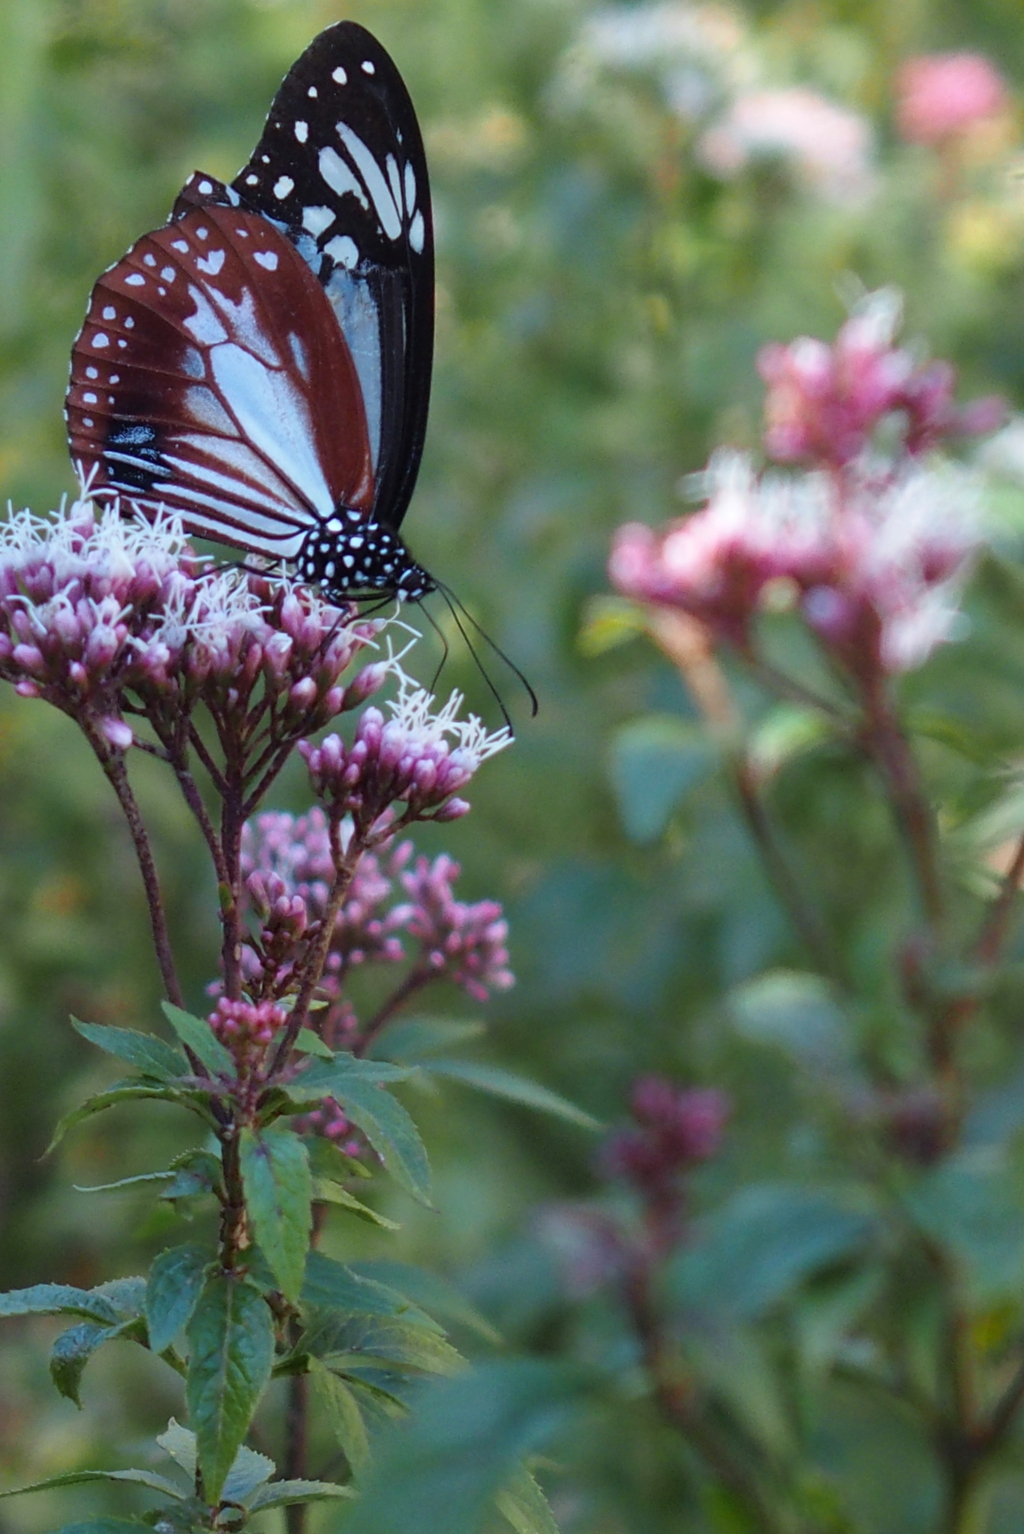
[{"x": 340, "y": 166}]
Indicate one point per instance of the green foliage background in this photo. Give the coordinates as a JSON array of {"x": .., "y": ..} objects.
[{"x": 601, "y": 303}]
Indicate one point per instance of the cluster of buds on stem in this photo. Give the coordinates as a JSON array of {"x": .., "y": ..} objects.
[{"x": 871, "y": 544}]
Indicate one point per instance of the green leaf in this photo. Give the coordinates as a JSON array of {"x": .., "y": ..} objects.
[
  {"x": 525, "y": 1506},
  {"x": 609, "y": 622},
  {"x": 420, "y": 1038},
  {"x": 123, "y": 1182},
  {"x": 973, "y": 1204},
  {"x": 330, "y": 1285},
  {"x": 433, "y": 1293},
  {"x": 174, "y": 1285},
  {"x": 655, "y": 761},
  {"x": 441, "y": 1469},
  {"x": 363, "y": 1341},
  {"x": 249, "y": 1471},
  {"x": 127, "y": 1295},
  {"x": 106, "y": 1526},
  {"x": 291, "y": 1493},
  {"x": 120, "y": 1092},
  {"x": 80, "y": 1477},
  {"x": 194, "y": 1173},
  {"x": 231, "y": 1346},
  {"x": 797, "y": 1013},
  {"x": 145, "y": 1051},
  {"x": 326, "y": 1192},
  {"x": 72, "y": 1351},
  {"x": 766, "y": 1241},
  {"x": 57, "y": 1300},
  {"x": 278, "y": 1196},
  {"x": 310, "y": 1043},
  {"x": 495, "y": 1080},
  {"x": 198, "y": 1036},
  {"x": 381, "y": 1117},
  {"x": 340, "y": 1411},
  {"x": 785, "y": 732},
  {"x": 328, "y": 1078},
  {"x": 180, "y": 1445}
]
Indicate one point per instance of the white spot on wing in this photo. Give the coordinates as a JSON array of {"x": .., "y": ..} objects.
[
  {"x": 395, "y": 180},
  {"x": 110, "y": 313},
  {"x": 339, "y": 75},
  {"x": 92, "y": 372},
  {"x": 135, "y": 280},
  {"x": 149, "y": 258},
  {"x": 204, "y": 324},
  {"x": 312, "y": 92},
  {"x": 417, "y": 230},
  {"x": 167, "y": 273},
  {"x": 367, "y": 67},
  {"x": 206, "y": 187},
  {"x": 99, "y": 340},
  {"x": 317, "y": 219},
  {"x": 212, "y": 263},
  {"x": 282, "y": 186},
  {"x": 410, "y": 187},
  {"x": 90, "y": 398},
  {"x": 299, "y": 353},
  {"x": 251, "y": 180},
  {"x": 302, "y": 132},
  {"x": 342, "y": 249},
  {"x": 181, "y": 245},
  {"x": 339, "y": 177},
  {"x": 376, "y": 185},
  {"x": 267, "y": 259}
]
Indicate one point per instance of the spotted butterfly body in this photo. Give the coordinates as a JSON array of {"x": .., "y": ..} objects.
[{"x": 261, "y": 364}]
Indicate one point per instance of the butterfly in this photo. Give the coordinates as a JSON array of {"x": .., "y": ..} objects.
[{"x": 261, "y": 365}]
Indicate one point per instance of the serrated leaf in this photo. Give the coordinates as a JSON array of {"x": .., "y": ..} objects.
[
  {"x": 383, "y": 1120},
  {"x": 498, "y": 1082},
  {"x": 525, "y": 1506},
  {"x": 291, "y": 1493},
  {"x": 198, "y": 1036},
  {"x": 231, "y": 1347},
  {"x": 174, "y": 1285},
  {"x": 57, "y": 1300},
  {"x": 392, "y": 1342},
  {"x": 330, "y": 1285},
  {"x": 278, "y": 1196},
  {"x": 72, "y": 1351},
  {"x": 309, "y": 1043},
  {"x": 341, "y": 1413},
  {"x": 249, "y": 1471},
  {"x": 120, "y": 1092},
  {"x": 180, "y": 1445},
  {"x": 327, "y": 1159},
  {"x": 127, "y": 1295},
  {"x": 421, "y": 1038},
  {"x": 80, "y": 1477},
  {"x": 324, "y": 1078},
  {"x": 194, "y": 1173},
  {"x": 326, "y": 1192},
  {"x": 433, "y": 1293},
  {"x": 440, "y": 1469},
  {"x": 145, "y": 1051}
]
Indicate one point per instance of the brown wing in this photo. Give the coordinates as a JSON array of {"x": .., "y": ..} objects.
[{"x": 211, "y": 377}]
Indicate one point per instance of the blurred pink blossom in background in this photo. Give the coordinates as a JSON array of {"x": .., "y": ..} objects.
[
  {"x": 830, "y": 146},
  {"x": 940, "y": 95}
]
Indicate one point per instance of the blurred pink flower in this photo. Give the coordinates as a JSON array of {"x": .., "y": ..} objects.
[
  {"x": 939, "y": 95},
  {"x": 830, "y": 145}
]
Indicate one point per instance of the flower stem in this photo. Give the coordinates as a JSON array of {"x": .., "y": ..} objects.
[{"x": 112, "y": 763}]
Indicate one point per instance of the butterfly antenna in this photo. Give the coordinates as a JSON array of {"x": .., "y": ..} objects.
[
  {"x": 439, "y": 631},
  {"x": 453, "y": 602}
]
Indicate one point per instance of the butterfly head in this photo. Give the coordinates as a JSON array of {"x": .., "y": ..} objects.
[{"x": 347, "y": 555}]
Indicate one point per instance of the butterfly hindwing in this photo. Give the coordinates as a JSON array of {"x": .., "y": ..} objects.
[{"x": 340, "y": 166}]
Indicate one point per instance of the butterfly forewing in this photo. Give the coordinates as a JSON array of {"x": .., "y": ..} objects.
[
  {"x": 210, "y": 377},
  {"x": 341, "y": 166}
]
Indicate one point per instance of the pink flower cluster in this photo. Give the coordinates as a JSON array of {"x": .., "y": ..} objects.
[
  {"x": 247, "y": 1029},
  {"x": 459, "y": 942},
  {"x": 288, "y": 871},
  {"x": 942, "y": 95},
  {"x": 675, "y": 1128},
  {"x": 873, "y": 549},
  {"x": 104, "y": 614},
  {"x": 416, "y": 757}
]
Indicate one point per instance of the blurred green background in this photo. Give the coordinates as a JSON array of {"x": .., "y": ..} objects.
[{"x": 605, "y": 279}]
